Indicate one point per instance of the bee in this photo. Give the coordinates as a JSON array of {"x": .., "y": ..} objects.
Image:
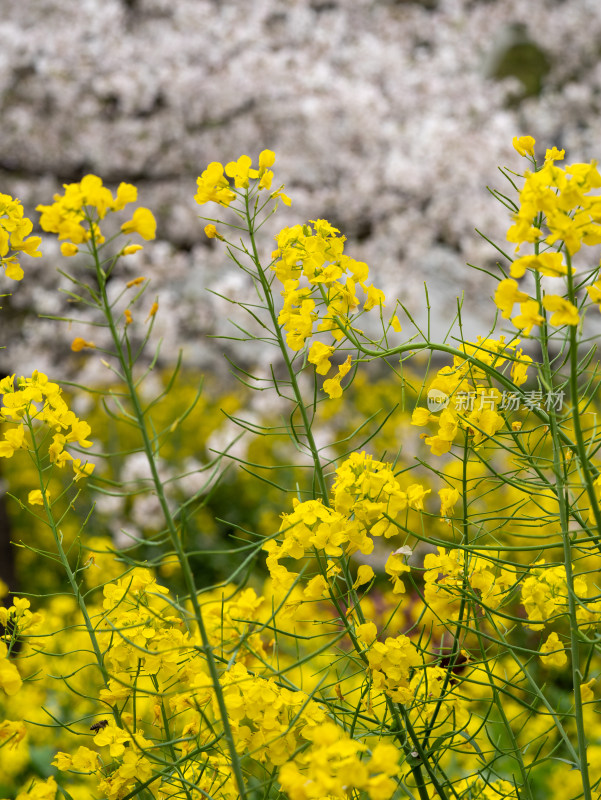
[{"x": 98, "y": 726}]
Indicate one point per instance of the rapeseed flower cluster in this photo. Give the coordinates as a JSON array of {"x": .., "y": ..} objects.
[
  {"x": 269, "y": 721},
  {"x": 332, "y": 767},
  {"x": 315, "y": 273},
  {"x": 545, "y": 597},
  {"x": 75, "y": 215},
  {"x": 40, "y": 790},
  {"x": 10, "y": 680},
  {"x": 142, "y": 635},
  {"x": 436, "y": 702},
  {"x": 14, "y": 237},
  {"x": 134, "y": 766},
  {"x": 555, "y": 206},
  {"x": 391, "y": 663},
  {"x": 39, "y": 400},
  {"x": 557, "y": 214},
  {"x": 478, "y": 789},
  {"x": 468, "y": 403},
  {"x": 450, "y": 575},
  {"x": 214, "y": 186},
  {"x": 369, "y": 490},
  {"x": 125, "y": 749},
  {"x": 367, "y": 500},
  {"x": 17, "y": 620},
  {"x": 230, "y": 620}
]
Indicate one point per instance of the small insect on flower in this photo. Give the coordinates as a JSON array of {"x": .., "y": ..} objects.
[{"x": 98, "y": 726}]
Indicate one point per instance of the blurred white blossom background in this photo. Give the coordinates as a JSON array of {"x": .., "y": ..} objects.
[{"x": 388, "y": 118}]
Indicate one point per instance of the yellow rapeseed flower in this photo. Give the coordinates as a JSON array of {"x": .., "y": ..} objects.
[
  {"x": 564, "y": 312},
  {"x": 69, "y": 249},
  {"x": 14, "y": 237},
  {"x": 448, "y": 498},
  {"x": 131, "y": 249},
  {"x": 506, "y": 295},
  {"x": 332, "y": 386},
  {"x": 79, "y": 344},
  {"x": 142, "y": 222},
  {"x": 552, "y": 652},
  {"x": 36, "y": 498},
  {"x": 528, "y": 317},
  {"x": 524, "y": 145},
  {"x": 153, "y": 310}
]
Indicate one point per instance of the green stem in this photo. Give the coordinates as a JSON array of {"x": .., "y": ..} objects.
[
  {"x": 174, "y": 536},
  {"x": 283, "y": 347},
  {"x": 558, "y": 469},
  {"x": 456, "y": 647},
  {"x": 581, "y": 447},
  {"x": 58, "y": 540}
]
